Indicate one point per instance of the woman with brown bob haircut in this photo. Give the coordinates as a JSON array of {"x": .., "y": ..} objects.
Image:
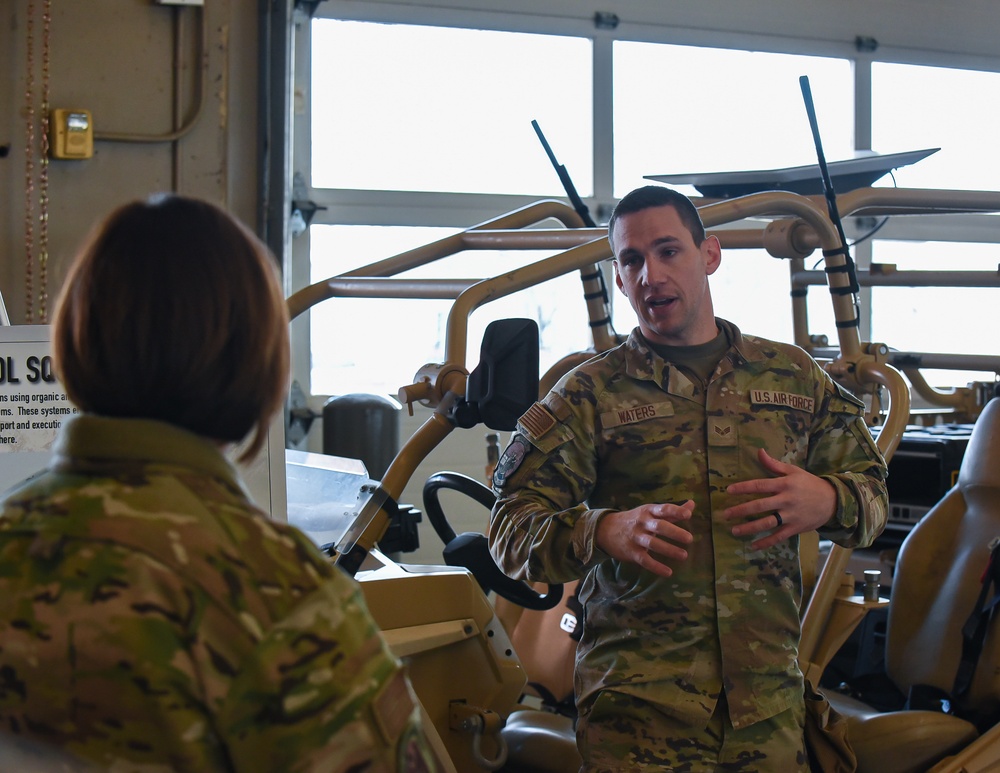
[
  {"x": 151, "y": 616},
  {"x": 172, "y": 312}
]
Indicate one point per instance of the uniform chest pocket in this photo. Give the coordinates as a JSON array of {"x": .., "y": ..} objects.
[{"x": 779, "y": 421}]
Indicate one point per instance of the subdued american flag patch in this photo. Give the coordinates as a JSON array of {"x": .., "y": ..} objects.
[{"x": 537, "y": 420}]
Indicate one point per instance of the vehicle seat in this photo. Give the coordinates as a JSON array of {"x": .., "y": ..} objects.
[
  {"x": 935, "y": 588},
  {"x": 544, "y": 740},
  {"x": 540, "y": 742}
]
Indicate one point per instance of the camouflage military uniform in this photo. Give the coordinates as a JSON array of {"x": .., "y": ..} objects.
[
  {"x": 151, "y": 618},
  {"x": 627, "y": 429}
]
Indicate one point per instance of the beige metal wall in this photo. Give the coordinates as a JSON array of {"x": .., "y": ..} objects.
[{"x": 136, "y": 66}]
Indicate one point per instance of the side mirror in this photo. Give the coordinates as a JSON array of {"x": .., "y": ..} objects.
[{"x": 505, "y": 383}]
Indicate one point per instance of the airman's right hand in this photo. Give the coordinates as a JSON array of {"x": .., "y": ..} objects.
[{"x": 646, "y": 535}]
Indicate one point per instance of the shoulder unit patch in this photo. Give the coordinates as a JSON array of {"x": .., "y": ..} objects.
[{"x": 510, "y": 460}]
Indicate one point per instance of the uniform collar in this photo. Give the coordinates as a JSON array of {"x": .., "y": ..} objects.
[
  {"x": 642, "y": 363},
  {"x": 111, "y": 442}
]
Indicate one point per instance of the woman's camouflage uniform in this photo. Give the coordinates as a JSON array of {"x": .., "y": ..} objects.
[
  {"x": 627, "y": 429},
  {"x": 151, "y": 618}
]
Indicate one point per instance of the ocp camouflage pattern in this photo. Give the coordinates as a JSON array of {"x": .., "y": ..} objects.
[
  {"x": 628, "y": 429},
  {"x": 621, "y": 734},
  {"x": 153, "y": 619}
]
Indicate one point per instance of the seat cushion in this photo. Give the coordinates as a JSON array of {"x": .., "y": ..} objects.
[
  {"x": 900, "y": 741},
  {"x": 540, "y": 742}
]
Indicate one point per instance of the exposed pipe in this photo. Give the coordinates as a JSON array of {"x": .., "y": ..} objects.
[
  {"x": 200, "y": 75},
  {"x": 495, "y": 233},
  {"x": 878, "y": 278}
]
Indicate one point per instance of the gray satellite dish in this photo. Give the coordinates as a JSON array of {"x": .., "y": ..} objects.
[{"x": 858, "y": 172}]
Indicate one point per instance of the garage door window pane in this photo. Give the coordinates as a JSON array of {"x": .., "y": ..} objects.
[
  {"x": 377, "y": 345},
  {"x": 681, "y": 110},
  {"x": 915, "y": 107},
  {"x": 415, "y": 108}
]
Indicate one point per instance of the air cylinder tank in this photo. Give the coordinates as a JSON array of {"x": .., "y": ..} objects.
[{"x": 365, "y": 427}]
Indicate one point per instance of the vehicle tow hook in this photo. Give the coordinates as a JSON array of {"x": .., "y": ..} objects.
[{"x": 479, "y": 722}]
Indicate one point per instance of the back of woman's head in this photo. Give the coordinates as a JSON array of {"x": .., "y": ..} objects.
[{"x": 172, "y": 310}]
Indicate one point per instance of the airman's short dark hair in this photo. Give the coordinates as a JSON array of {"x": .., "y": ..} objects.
[{"x": 649, "y": 196}]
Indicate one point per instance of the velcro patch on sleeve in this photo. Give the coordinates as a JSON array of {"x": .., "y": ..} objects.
[
  {"x": 392, "y": 708},
  {"x": 537, "y": 420},
  {"x": 511, "y": 459},
  {"x": 635, "y": 414}
]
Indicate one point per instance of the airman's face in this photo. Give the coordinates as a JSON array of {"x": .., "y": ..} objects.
[{"x": 664, "y": 275}]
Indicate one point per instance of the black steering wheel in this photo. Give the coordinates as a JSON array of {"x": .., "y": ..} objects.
[{"x": 471, "y": 550}]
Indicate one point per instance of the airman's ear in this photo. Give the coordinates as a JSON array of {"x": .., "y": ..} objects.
[
  {"x": 711, "y": 250},
  {"x": 618, "y": 279}
]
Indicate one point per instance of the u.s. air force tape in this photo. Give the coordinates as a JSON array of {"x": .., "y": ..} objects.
[{"x": 784, "y": 399}]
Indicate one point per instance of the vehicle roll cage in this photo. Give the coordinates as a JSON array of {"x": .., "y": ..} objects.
[{"x": 787, "y": 225}]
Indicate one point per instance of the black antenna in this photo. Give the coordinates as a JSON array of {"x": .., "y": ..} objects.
[
  {"x": 574, "y": 197},
  {"x": 588, "y": 221},
  {"x": 831, "y": 196}
]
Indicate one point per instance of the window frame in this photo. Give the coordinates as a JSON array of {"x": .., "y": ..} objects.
[{"x": 758, "y": 26}]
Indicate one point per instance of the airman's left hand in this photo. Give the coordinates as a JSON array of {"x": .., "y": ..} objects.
[{"x": 795, "y": 501}]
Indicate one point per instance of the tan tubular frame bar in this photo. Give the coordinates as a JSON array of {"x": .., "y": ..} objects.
[
  {"x": 375, "y": 279},
  {"x": 877, "y": 202}
]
